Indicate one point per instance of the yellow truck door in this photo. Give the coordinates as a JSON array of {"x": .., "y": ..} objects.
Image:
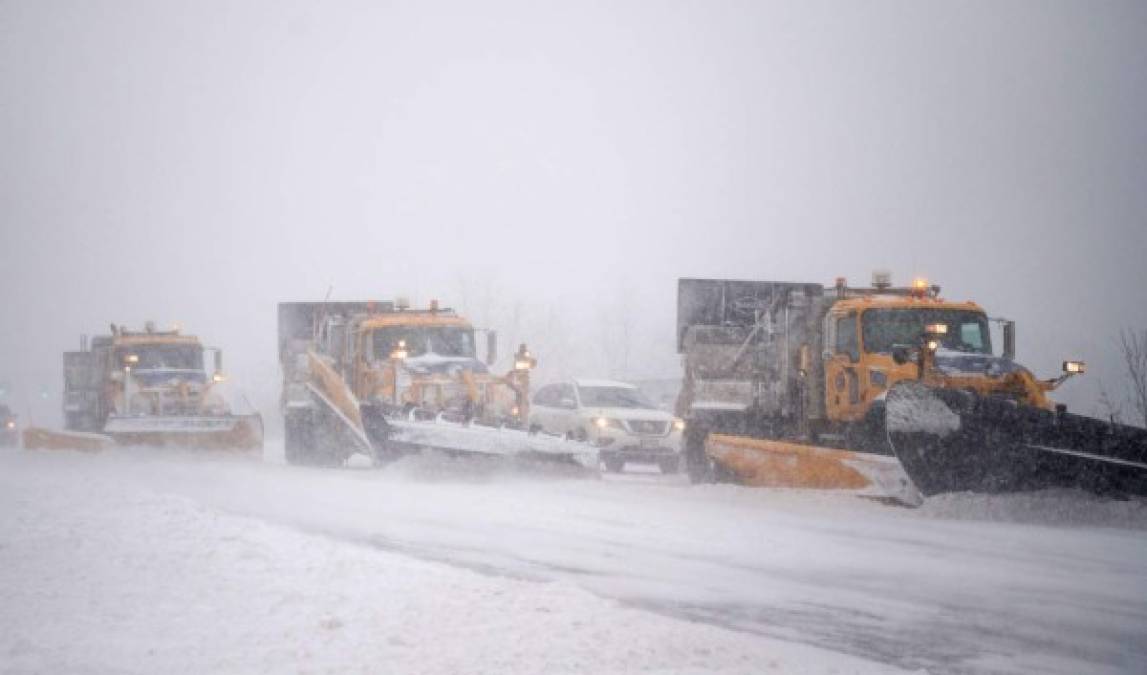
[{"x": 844, "y": 382}]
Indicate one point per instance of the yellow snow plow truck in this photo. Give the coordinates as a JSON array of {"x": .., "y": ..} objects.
[
  {"x": 146, "y": 387},
  {"x": 382, "y": 379},
  {"x": 800, "y": 385}
]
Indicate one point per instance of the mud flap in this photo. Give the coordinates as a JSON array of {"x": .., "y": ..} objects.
[{"x": 953, "y": 441}]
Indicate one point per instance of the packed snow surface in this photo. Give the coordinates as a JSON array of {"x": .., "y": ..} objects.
[{"x": 138, "y": 561}]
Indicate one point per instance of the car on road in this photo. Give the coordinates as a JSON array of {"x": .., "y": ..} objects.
[
  {"x": 616, "y": 417},
  {"x": 9, "y": 435}
]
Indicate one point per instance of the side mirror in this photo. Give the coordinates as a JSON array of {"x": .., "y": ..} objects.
[
  {"x": 1010, "y": 340},
  {"x": 491, "y": 347},
  {"x": 901, "y": 354}
]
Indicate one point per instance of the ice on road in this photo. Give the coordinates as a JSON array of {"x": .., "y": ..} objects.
[{"x": 155, "y": 561}]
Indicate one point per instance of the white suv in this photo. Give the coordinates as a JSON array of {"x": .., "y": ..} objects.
[{"x": 615, "y": 417}]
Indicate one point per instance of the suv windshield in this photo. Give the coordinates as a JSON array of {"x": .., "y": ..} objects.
[
  {"x": 613, "y": 397},
  {"x": 163, "y": 357},
  {"x": 883, "y": 329},
  {"x": 441, "y": 340}
]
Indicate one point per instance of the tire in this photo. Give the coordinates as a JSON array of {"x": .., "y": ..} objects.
[
  {"x": 614, "y": 464},
  {"x": 697, "y": 464},
  {"x": 299, "y": 438},
  {"x": 719, "y": 474},
  {"x": 669, "y": 465}
]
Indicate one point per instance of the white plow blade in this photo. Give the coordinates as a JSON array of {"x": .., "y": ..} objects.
[
  {"x": 168, "y": 425},
  {"x": 490, "y": 441}
]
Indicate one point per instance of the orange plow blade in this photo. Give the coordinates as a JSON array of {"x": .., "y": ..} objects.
[
  {"x": 770, "y": 463},
  {"x": 36, "y": 438}
]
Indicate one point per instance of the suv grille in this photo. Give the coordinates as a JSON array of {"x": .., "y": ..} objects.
[{"x": 646, "y": 426}]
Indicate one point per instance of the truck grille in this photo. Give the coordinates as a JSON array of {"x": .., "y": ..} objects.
[{"x": 646, "y": 426}]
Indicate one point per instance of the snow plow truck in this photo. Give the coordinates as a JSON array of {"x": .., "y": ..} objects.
[
  {"x": 150, "y": 388},
  {"x": 800, "y": 385},
  {"x": 383, "y": 380}
]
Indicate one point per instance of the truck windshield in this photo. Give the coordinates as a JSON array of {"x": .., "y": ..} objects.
[
  {"x": 613, "y": 397},
  {"x": 884, "y": 329},
  {"x": 162, "y": 357},
  {"x": 442, "y": 340}
]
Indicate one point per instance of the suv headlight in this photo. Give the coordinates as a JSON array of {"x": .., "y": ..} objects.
[
  {"x": 678, "y": 424},
  {"x": 606, "y": 422}
]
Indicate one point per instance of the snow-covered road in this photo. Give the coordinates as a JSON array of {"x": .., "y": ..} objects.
[{"x": 144, "y": 562}]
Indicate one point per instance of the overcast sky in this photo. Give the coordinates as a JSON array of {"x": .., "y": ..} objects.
[{"x": 557, "y": 166}]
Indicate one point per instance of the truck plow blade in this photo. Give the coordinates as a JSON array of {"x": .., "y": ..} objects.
[
  {"x": 386, "y": 437},
  {"x": 772, "y": 463},
  {"x": 952, "y": 441},
  {"x": 475, "y": 439},
  {"x": 234, "y": 432},
  {"x": 230, "y": 432},
  {"x": 38, "y": 438}
]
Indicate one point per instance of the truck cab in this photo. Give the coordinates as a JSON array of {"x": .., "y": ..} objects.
[{"x": 862, "y": 335}]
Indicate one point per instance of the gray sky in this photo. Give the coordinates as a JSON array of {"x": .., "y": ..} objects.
[{"x": 553, "y": 167}]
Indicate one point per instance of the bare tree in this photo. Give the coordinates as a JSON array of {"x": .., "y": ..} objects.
[
  {"x": 1134, "y": 347},
  {"x": 1109, "y": 408}
]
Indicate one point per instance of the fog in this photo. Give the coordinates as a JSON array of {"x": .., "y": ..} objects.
[{"x": 551, "y": 169}]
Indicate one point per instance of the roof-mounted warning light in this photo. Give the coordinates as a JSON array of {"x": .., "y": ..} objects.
[{"x": 923, "y": 289}]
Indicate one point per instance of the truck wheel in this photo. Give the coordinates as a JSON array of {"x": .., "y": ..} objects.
[
  {"x": 697, "y": 464},
  {"x": 614, "y": 464},
  {"x": 669, "y": 465},
  {"x": 299, "y": 438},
  {"x": 720, "y": 474}
]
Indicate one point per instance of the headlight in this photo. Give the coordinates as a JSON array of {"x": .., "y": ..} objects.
[
  {"x": 678, "y": 425},
  {"x": 523, "y": 359},
  {"x": 10, "y": 424},
  {"x": 604, "y": 422}
]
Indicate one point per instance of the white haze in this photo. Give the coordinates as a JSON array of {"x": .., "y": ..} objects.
[{"x": 553, "y": 168}]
